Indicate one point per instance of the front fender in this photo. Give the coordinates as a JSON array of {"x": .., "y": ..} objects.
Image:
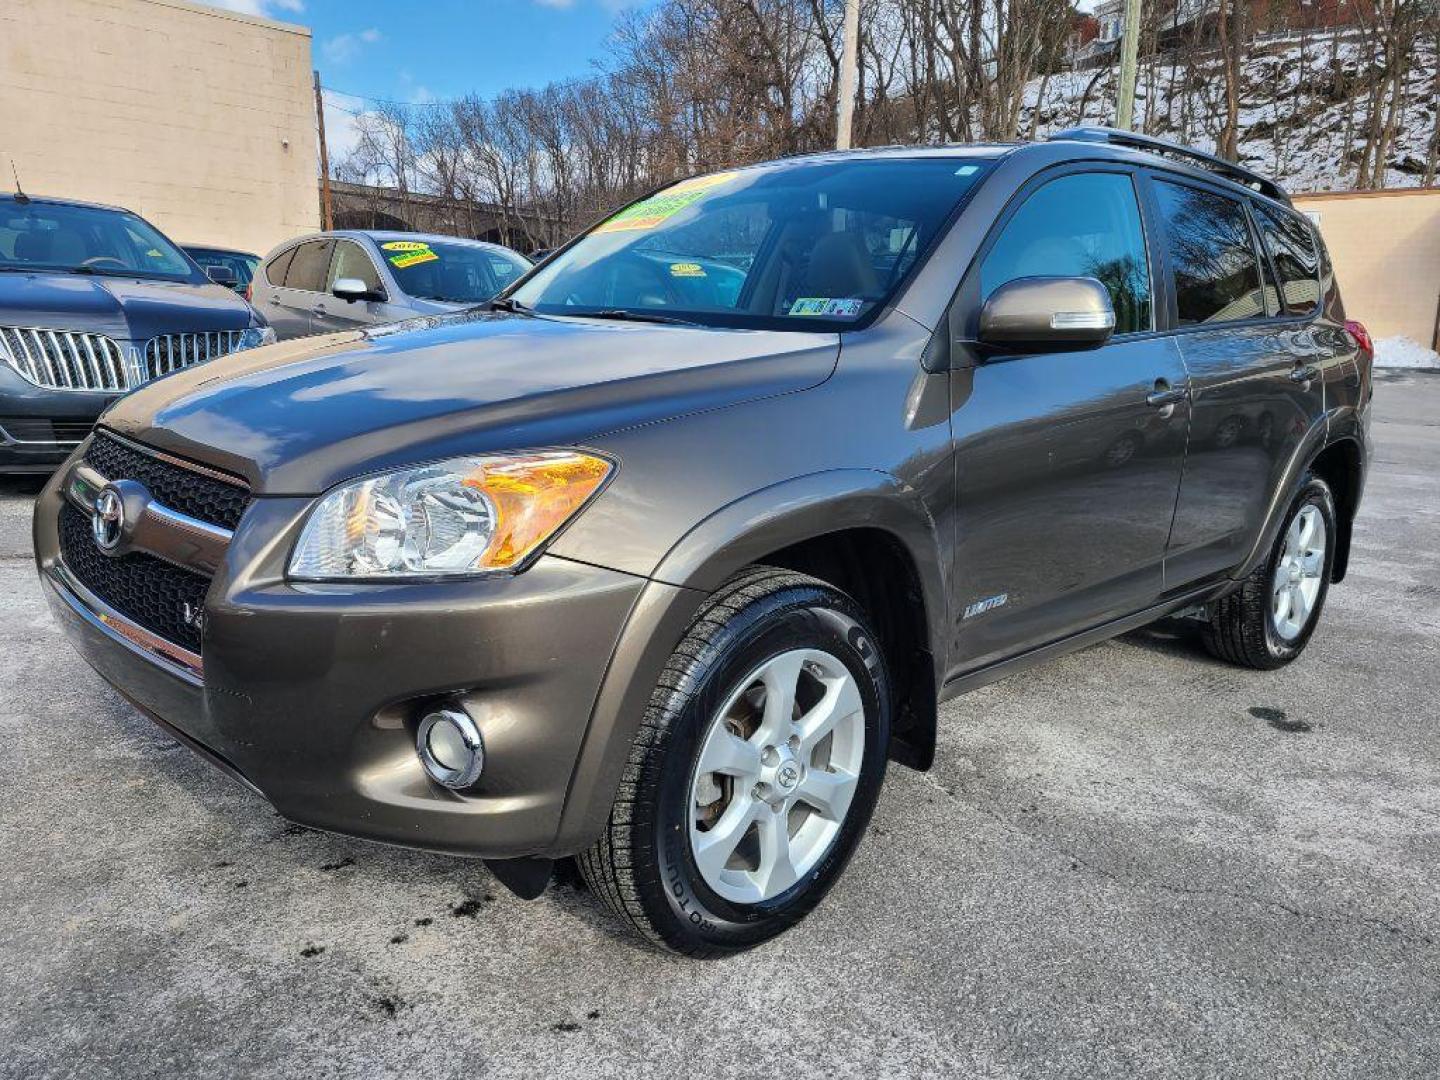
[{"x": 736, "y": 536}]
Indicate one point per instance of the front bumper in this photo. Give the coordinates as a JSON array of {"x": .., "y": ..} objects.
[
  {"x": 40, "y": 427},
  {"x": 311, "y": 693}
]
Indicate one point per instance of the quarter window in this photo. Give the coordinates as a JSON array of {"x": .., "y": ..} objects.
[
  {"x": 1297, "y": 264},
  {"x": 1217, "y": 276},
  {"x": 276, "y": 268},
  {"x": 1082, "y": 225}
]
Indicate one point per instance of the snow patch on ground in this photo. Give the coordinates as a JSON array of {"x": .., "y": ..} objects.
[{"x": 1401, "y": 352}]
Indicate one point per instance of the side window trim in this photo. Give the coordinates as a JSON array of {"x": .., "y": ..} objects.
[
  {"x": 1156, "y": 174},
  {"x": 966, "y": 303}
]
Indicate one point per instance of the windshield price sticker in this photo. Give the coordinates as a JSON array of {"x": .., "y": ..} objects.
[
  {"x": 824, "y": 305},
  {"x": 405, "y": 253},
  {"x": 686, "y": 270},
  {"x": 662, "y": 206}
]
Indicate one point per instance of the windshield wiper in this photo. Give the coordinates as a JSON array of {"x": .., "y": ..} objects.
[
  {"x": 512, "y": 306},
  {"x": 626, "y": 315}
]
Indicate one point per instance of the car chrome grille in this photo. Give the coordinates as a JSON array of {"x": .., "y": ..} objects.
[
  {"x": 200, "y": 494},
  {"x": 171, "y": 352},
  {"x": 149, "y": 592},
  {"x": 63, "y": 360}
]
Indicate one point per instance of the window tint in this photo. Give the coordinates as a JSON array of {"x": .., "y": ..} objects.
[
  {"x": 351, "y": 262},
  {"x": 307, "y": 271},
  {"x": 1297, "y": 264},
  {"x": 275, "y": 269},
  {"x": 1085, "y": 225},
  {"x": 1217, "y": 276},
  {"x": 93, "y": 240}
]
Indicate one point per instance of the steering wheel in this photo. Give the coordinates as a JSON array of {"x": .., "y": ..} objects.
[{"x": 104, "y": 259}]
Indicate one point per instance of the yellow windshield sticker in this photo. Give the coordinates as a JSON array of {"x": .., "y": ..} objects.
[
  {"x": 155, "y": 253},
  {"x": 405, "y": 245},
  {"x": 663, "y": 205},
  {"x": 412, "y": 258},
  {"x": 686, "y": 270}
]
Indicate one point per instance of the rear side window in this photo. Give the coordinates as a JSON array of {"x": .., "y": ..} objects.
[
  {"x": 307, "y": 270},
  {"x": 352, "y": 262},
  {"x": 1297, "y": 264},
  {"x": 1217, "y": 275},
  {"x": 276, "y": 268},
  {"x": 1082, "y": 225}
]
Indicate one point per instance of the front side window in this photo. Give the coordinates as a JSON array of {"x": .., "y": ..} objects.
[
  {"x": 1297, "y": 264},
  {"x": 1217, "y": 276},
  {"x": 61, "y": 238},
  {"x": 351, "y": 262},
  {"x": 308, "y": 268},
  {"x": 798, "y": 245},
  {"x": 1082, "y": 225}
]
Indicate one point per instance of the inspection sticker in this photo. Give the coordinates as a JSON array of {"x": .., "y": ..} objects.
[
  {"x": 824, "y": 305},
  {"x": 663, "y": 205}
]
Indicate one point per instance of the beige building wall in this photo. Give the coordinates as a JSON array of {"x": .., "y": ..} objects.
[
  {"x": 201, "y": 120},
  {"x": 1386, "y": 250}
]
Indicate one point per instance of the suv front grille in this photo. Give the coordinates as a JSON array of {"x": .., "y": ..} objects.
[
  {"x": 184, "y": 490},
  {"x": 150, "y": 593},
  {"x": 61, "y": 360},
  {"x": 171, "y": 352}
]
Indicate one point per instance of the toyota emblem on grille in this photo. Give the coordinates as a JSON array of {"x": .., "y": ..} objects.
[{"x": 107, "y": 523}]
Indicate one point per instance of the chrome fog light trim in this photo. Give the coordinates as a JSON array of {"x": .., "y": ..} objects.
[{"x": 450, "y": 748}]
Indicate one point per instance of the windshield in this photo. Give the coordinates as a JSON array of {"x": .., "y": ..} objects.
[
  {"x": 455, "y": 273},
  {"x": 797, "y": 245},
  {"x": 242, "y": 266},
  {"x": 87, "y": 239}
]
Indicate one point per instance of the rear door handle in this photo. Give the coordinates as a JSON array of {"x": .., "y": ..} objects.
[{"x": 1305, "y": 373}]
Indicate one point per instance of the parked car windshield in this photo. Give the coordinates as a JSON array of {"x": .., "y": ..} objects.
[
  {"x": 241, "y": 265},
  {"x": 87, "y": 240},
  {"x": 455, "y": 273},
  {"x": 795, "y": 245}
]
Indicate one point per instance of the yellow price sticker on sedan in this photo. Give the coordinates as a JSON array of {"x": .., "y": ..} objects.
[
  {"x": 686, "y": 270},
  {"x": 663, "y": 205},
  {"x": 405, "y": 245},
  {"x": 412, "y": 258}
]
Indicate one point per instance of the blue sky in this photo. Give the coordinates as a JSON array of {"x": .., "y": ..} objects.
[{"x": 437, "y": 49}]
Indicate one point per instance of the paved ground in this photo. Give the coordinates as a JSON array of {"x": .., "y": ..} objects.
[{"x": 1133, "y": 862}]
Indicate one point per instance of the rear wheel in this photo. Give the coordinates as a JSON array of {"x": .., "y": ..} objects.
[
  {"x": 1268, "y": 621},
  {"x": 754, "y": 773}
]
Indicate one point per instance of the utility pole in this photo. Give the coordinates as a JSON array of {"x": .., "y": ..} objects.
[
  {"x": 849, "y": 74},
  {"x": 327, "y": 215},
  {"x": 1129, "y": 55}
]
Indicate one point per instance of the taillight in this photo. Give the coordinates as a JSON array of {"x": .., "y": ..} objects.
[{"x": 1362, "y": 337}]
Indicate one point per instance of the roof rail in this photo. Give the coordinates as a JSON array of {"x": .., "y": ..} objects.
[{"x": 1149, "y": 143}]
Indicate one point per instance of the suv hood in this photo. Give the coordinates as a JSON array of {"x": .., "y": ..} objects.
[
  {"x": 299, "y": 417},
  {"x": 123, "y": 308}
]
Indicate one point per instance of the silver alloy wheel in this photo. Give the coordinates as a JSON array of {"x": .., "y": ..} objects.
[
  {"x": 775, "y": 776},
  {"x": 1296, "y": 583}
]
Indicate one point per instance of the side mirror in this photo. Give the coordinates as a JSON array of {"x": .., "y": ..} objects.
[
  {"x": 1047, "y": 314},
  {"x": 351, "y": 289},
  {"x": 222, "y": 275}
]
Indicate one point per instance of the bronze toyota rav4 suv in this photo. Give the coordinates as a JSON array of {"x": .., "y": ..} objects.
[{"x": 657, "y": 561}]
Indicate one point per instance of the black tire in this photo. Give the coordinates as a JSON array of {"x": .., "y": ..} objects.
[
  {"x": 1241, "y": 626},
  {"x": 642, "y": 866}
]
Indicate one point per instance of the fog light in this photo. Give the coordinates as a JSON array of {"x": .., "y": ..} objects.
[{"x": 450, "y": 748}]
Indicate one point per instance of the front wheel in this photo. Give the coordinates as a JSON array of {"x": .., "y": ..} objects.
[
  {"x": 1267, "y": 622},
  {"x": 754, "y": 772}
]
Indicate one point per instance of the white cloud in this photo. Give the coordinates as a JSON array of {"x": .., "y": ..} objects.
[
  {"x": 346, "y": 47},
  {"x": 270, "y": 9},
  {"x": 341, "y": 113}
]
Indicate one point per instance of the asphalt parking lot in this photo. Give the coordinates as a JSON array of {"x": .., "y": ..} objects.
[{"x": 1132, "y": 862}]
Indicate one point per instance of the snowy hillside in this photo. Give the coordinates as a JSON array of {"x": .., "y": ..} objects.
[{"x": 1303, "y": 107}]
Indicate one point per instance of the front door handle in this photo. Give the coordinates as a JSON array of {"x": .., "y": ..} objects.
[
  {"x": 1165, "y": 397},
  {"x": 1305, "y": 373}
]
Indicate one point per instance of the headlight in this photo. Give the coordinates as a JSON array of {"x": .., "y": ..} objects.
[
  {"x": 470, "y": 515},
  {"x": 256, "y": 336}
]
